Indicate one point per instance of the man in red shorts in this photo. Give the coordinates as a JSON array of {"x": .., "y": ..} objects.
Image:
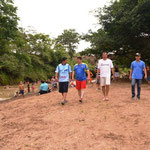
[{"x": 80, "y": 71}]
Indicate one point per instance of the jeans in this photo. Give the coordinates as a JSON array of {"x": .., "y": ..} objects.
[{"x": 139, "y": 82}]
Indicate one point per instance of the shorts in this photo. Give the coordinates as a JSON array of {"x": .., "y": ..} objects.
[
  {"x": 63, "y": 87},
  {"x": 105, "y": 81},
  {"x": 148, "y": 78},
  {"x": 117, "y": 74},
  {"x": 80, "y": 85},
  {"x": 21, "y": 92}
]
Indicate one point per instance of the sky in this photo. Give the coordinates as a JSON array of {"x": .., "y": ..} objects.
[{"x": 53, "y": 16}]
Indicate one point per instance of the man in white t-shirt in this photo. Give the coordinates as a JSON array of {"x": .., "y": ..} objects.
[{"x": 105, "y": 66}]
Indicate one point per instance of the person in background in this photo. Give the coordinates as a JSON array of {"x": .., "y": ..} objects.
[
  {"x": 53, "y": 82},
  {"x": 21, "y": 89},
  {"x": 105, "y": 67},
  {"x": 97, "y": 79},
  {"x": 28, "y": 86},
  {"x": 148, "y": 75},
  {"x": 44, "y": 87},
  {"x": 63, "y": 70},
  {"x": 33, "y": 88},
  {"x": 136, "y": 75},
  {"x": 117, "y": 73},
  {"x": 91, "y": 75},
  {"x": 16, "y": 94},
  {"x": 80, "y": 70}
]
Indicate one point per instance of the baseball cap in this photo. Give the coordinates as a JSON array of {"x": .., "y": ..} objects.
[{"x": 137, "y": 54}]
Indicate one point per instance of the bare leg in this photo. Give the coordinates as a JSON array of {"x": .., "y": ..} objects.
[
  {"x": 82, "y": 94},
  {"x": 104, "y": 91},
  {"x": 79, "y": 93},
  {"x": 107, "y": 91},
  {"x": 64, "y": 96}
]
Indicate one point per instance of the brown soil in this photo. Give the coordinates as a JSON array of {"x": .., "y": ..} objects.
[{"x": 41, "y": 123}]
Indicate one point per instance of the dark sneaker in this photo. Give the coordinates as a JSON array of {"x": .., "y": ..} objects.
[
  {"x": 133, "y": 97},
  {"x": 64, "y": 102},
  {"x": 138, "y": 98},
  {"x": 80, "y": 101}
]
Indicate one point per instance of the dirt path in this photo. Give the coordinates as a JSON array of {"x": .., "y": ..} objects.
[{"x": 41, "y": 123}]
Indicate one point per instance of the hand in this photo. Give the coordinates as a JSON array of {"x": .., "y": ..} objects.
[
  {"x": 70, "y": 80},
  {"x": 56, "y": 79},
  {"x": 130, "y": 77}
]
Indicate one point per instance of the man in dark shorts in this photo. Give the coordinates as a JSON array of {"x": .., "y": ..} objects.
[
  {"x": 63, "y": 70},
  {"x": 21, "y": 88}
]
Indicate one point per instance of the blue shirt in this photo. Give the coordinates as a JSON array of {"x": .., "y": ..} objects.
[
  {"x": 80, "y": 71},
  {"x": 63, "y": 71},
  {"x": 44, "y": 87},
  {"x": 137, "y": 68}
]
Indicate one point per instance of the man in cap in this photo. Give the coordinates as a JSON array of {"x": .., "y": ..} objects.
[{"x": 136, "y": 75}]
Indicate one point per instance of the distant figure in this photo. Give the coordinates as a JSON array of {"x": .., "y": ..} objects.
[
  {"x": 21, "y": 88},
  {"x": 80, "y": 70},
  {"x": 97, "y": 78},
  {"x": 53, "y": 83},
  {"x": 91, "y": 75},
  {"x": 105, "y": 67},
  {"x": 136, "y": 75},
  {"x": 33, "y": 88},
  {"x": 117, "y": 72},
  {"x": 148, "y": 75},
  {"x": 28, "y": 86},
  {"x": 63, "y": 70},
  {"x": 44, "y": 88},
  {"x": 16, "y": 94}
]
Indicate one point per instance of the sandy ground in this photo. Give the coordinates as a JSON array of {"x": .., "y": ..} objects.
[{"x": 41, "y": 123}]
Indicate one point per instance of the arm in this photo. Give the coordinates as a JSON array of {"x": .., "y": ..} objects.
[
  {"x": 145, "y": 71},
  {"x": 98, "y": 71},
  {"x": 56, "y": 76},
  {"x": 73, "y": 73},
  {"x": 113, "y": 72},
  {"x": 70, "y": 73},
  {"x": 88, "y": 72},
  {"x": 130, "y": 76}
]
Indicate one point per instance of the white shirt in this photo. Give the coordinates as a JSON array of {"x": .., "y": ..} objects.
[{"x": 105, "y": 67}]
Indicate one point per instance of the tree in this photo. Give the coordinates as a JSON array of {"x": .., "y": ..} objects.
[
  {"x": 70, "y": 39},
  {"x": 124, "y": 29},
  {"x": 8, "y": 24}
]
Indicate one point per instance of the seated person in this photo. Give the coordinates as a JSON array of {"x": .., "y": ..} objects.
[{"x": 44, "y": 88}]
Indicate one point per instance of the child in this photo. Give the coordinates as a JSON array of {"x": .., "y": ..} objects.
[
  {"x": 28, "y": 86},
  {"x": 21, "y": 88},
  {"x": 33, "y": 88}
]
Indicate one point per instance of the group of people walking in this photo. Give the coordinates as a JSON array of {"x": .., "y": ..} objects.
[{"x": 64, "y": 74}]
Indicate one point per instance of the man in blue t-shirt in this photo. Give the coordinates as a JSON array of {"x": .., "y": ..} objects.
[
  {"x": 136, "y": 75},
  {"x": 80, "y": 71},
  {"x": 63, "y": 70}
]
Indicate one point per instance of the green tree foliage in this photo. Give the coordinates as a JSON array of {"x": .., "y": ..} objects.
[
  {"x": 124, "y": 30},
  {"x": 8, "y": 24},
  {"x": 70, "y": 39}
]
